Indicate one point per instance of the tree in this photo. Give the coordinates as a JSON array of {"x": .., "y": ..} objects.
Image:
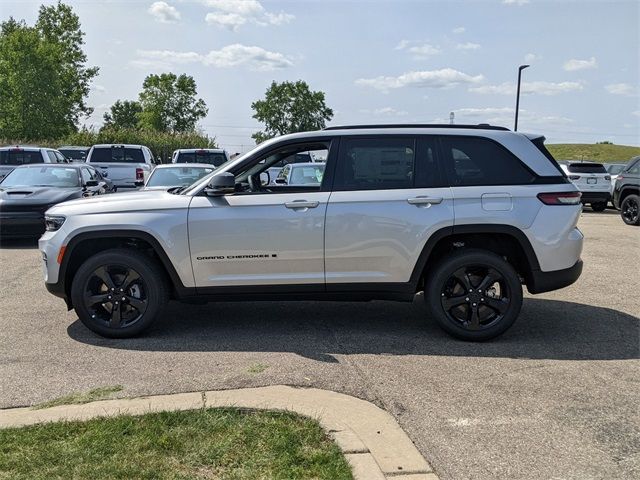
[
  {"x": 123, "y": 114},
  {"x": 290, "y": 107},
  {"x": 169, "y": 103},
  {"x": 43, "y": 77}
]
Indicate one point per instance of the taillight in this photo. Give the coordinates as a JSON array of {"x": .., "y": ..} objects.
[
  {"x": 139, "y": 174},
  {"x": 560, "y": 198},
  {"x": 574, "y": 177},
  {"x": 607, "y": 177}
]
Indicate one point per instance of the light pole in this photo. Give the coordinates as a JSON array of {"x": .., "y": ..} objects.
[{"x": 520, "y": 68}]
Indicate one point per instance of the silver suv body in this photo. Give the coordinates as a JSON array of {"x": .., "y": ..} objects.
[{"x": 465, "y": 214}]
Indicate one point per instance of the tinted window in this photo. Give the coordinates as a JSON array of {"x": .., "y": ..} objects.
[
  {"x": 212, "y": 158},
  {"x": 42, "y": 176},
  {"x": 375, "y": 164},
  {"x": 117, "y": 155},
  {"x": 478, "y": 161},
  {"x": 74, "y": 154},
  {"x": 427, "y": 173},
  {"x": 587, "y": 168},
  {"x": 19, "y": 157},
  {"x": 614, "y": 169},
  {"x": 634, "y": 169}
]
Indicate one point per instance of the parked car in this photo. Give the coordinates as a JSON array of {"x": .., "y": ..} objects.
[
  {"x": 466, "y": 214},
  {"x": 74, "y": 153},
  {"x": 626, "y": 192},
  {"x": 12, "y": 157},
  {"x": 593, "y": 181},
  {"x": 124, "y": 165},
  {"x": 29, "y": 190},
  {"x": 211, "y": 156},
  {"x": 168, "y": 176},
  {"x": 613, "y": 169},
  {"x": 301, "y": 174}
]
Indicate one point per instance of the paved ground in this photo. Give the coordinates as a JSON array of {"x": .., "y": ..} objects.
[{"x": 555, "y": 397}]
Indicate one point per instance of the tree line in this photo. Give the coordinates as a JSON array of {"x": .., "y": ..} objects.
[{"x": 45, "y": 81}]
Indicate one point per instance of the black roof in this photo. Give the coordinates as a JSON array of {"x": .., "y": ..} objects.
[{"x": 480, "y": 126}]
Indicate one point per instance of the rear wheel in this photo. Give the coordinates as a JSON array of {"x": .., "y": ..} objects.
[
  {"x": 119, "y": 293},
  {"x": 474, "y": 295},
  {"x": 629, "y": 210},
  {"x": 599, "y": 207}
]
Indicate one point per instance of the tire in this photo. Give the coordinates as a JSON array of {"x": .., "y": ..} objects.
[
  {"x": 130, "y": 274},
  {"x": 496, "y": 306},
  {"x": 599, "y": 207},
  {"x": 629, "y": 210}
]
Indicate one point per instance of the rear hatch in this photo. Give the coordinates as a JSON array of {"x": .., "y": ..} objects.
[
  {"x": 119, "y": 164},
  {"x": 589, "y": 176},
  {"x": 14, "y": 157}
]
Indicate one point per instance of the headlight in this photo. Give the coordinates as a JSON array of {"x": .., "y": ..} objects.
[{"x": 53, "y": 222}]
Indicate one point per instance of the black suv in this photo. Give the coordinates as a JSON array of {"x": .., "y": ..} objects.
[{"x": 626, "y": 192}]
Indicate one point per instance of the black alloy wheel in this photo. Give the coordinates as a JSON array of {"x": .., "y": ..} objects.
[{"x": 630, "y": 210}]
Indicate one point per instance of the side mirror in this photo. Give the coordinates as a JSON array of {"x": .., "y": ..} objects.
[
  {"x": 139, "y": 183},
  {"x": 265, "y": 178},
  {"x": 91, "y": 183},
  {"x": 221, "y": 184}
]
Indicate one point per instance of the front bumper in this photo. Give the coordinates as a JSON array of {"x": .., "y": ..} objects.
[
  {"x": 540, "y": 282},
  {"x": 21, "y": 224}
]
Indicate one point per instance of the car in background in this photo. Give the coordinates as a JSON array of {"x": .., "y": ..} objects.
[
  {"x": 74, "y": 153},
  {"x": 614, "y": 170},
  {"x": 12, "y": 157},
  {"x": 28, "y": 191},
  {"x": 169, "y": 176},
  {"x": 210, "y": 156},
  {"x": 124, "y": 165},
  {"x": 298, "y": 157},
  {"x": 593, "y": 180},
  {"x": 296, "y": 174},
  {"x": 626, "y": 192}
]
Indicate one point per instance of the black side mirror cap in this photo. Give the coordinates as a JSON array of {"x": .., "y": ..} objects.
[
  {"x": 91, "y": 183},
  {"x": 221, "y": 184},
  {"x": 139, "y": 183}
]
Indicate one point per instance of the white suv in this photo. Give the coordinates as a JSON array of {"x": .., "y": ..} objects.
[
  {"x": 466, "y": 214},
  {"x": 593, "y": 180}
]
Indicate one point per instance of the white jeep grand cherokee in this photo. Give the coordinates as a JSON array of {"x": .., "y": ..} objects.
[{"x": 466, "y": 214}]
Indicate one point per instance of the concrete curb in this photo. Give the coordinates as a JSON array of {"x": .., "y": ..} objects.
[{"x": 370, "y": 438}]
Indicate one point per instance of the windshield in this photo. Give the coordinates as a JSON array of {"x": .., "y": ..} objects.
[
  {"x": 20, "y": 157},
  {"x": 202, "y": 156},
  {"x": 60, "y": 177},
  {"x": 117, "y": 155},
  {"x": 615, "y": 169},
  {"x": 177, "y": 176}
]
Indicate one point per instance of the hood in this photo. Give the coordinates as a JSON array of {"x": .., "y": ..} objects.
[
  {"x": 122, "y": 202},
  {"x": 33, "y": 197}
]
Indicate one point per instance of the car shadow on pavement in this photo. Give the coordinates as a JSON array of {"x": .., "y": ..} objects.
[
  {"x": 546, "y": 329},
  {"x": 18, "y": 243}
]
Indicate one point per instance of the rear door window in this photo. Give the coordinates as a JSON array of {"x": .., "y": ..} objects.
[
  {"x": 117, "y": 155},
  {"x": 475, "y": 161}
]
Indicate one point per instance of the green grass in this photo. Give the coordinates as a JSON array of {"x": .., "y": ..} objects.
[
  {"x": 220, "y": 443},
  {"x": 100, "y": 393},
  {"x": 604, "y": 153},
  {"x": 257, "y": 368}
]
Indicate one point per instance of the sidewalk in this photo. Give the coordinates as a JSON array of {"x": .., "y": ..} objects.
[{"x": 370, "y": 438}]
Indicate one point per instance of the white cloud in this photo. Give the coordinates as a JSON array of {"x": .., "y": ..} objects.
[
  {"x": 402, "y": 44},
  {"x": 636, "y": 113},
  {"x": 385, "y": 112},
  {"x": 515, "y": 2},
  {"x": 459, "y": 30},
  {"x": 541, "y": 88},
  {"x": 444, "y": 78},
  {"x": 621, "y": 89},
  {"x": 232, "y": 14},
  {"x": 424, "y": 50},
  {"x": 532, "y": 57},
  {"x": 254, "y": 58},
  {"x": 468, "y": 46},
  {"x": 575, "y": 64},
  {"x": 505, "y": 115},
  {"x": 163, "y": 12}
]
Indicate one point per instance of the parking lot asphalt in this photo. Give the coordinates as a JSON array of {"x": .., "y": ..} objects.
[{"x": 555, "y": 397}]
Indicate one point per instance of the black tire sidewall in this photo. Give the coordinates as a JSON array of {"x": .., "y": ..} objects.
[
  {"x": 149, "y": 271},
  {"x": 628, "y": 198},
  {"x": 436, "y": 278}
]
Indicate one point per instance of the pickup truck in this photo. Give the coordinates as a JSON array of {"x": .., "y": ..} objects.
[{"x": 124, "y": 165}]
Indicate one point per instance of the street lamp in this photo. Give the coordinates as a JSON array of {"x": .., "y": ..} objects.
[{"x": 520, "y": 68}]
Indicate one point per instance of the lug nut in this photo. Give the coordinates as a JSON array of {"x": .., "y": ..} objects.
[
  {"x": 482, "y": 299},
  {"x": 466, "y": 299},
  {"x": 123, "y": 299},
  {"x": 475, "y": 304},
  {"x": 471, "y": 290}
]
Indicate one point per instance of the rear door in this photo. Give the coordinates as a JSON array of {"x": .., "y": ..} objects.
[{"x": 388, "y": 198}]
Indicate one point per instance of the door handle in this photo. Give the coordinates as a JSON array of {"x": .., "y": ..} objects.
[
  {"x": 301, "y": 204},
  {"x": 424, "y": 200}
]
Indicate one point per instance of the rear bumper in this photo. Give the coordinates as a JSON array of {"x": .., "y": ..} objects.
[
  {"x": 595, "y": 197},
  {"x": 21, "y": 224},
  {"x": 540, "y": 282}
]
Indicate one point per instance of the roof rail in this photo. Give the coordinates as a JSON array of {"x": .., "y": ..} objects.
[{"x": 480, "y": 126}]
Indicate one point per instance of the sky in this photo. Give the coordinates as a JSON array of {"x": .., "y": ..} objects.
[{"x": 377, "y": 61}]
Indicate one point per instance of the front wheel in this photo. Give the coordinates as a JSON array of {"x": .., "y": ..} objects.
[
  {"x": 629, "y": 210},
  {"x": 119, "y": 293},
  {"x": 474, "y": 295}
]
